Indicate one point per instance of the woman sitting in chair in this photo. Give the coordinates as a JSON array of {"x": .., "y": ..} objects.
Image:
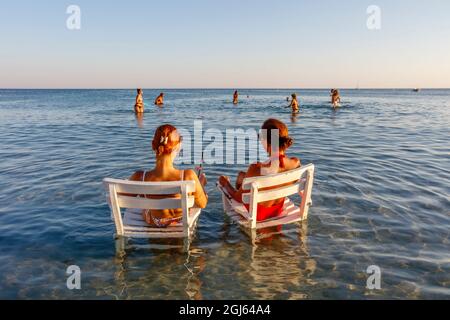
[
  {"x": 166, "y": 145},
  {"x": 277, "y": 163}
]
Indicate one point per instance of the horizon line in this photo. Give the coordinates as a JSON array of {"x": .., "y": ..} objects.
[{"x": 225, "y": 88}]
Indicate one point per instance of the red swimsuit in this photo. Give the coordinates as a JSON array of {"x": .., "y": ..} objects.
[{"x": 265, "y": 213}]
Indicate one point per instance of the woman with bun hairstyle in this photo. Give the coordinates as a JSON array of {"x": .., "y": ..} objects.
[
  {"x": 166, "y": 144},
  {"x": 277, "y": 163}
]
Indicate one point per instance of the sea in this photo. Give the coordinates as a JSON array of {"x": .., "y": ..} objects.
[{"x": 378, "y": 228}]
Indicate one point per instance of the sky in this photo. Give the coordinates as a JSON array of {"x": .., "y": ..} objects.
[{"x": 225, "y": 44}]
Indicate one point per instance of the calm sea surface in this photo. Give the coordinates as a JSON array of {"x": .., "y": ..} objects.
[{"x": 381, "y": 197}]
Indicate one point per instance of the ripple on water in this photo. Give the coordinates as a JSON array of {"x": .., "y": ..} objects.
[{"x": 380, "y": 198}]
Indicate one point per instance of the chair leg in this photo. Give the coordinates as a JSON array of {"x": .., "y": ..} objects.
[
  {"x": 225, "y": 204},
  {"x": 120, "y": 244},
  {"x": 254, "y": 236},
  {"x": 186, "y": 244}
]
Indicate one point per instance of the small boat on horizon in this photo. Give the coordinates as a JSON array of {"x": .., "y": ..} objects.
[{"x": 416, "y": 90}]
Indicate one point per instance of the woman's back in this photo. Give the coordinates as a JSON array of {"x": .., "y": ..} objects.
[
  {"x": 279, "y": 162},
  {"x": 166, "y": 144},
  {"x": 152, "y": 176},
  {"x": 285, "y": 164}
]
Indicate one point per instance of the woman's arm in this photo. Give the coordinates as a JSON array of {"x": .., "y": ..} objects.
[
  {"x": 253, "y": 171},
  {"x": 201, "y": 197}
]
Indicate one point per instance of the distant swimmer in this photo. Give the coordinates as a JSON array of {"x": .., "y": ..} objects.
[
  {"x": 236, "y": 97},
  {"x": 139, "y": 105},
  {"x": 335, "y": 98},
  {"x": 294, "y": 104},
  {"x": 160, "y": 100}
]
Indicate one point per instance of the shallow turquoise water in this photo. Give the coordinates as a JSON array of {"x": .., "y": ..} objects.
[{"x": 381, "y": 197}]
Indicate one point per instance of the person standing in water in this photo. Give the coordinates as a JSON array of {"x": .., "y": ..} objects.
[
  {"x": 236, "y": 97},
  {"x": 139, "y": 105},
  {"x": 335, "y": 98},
  {"x": 294, "y": 104},
  {"x": 160, "y": 100}
]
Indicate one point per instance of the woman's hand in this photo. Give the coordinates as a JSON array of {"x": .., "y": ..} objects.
[
  {"x": 224, "y": 180},
  {"x": 203, "y": 179}
]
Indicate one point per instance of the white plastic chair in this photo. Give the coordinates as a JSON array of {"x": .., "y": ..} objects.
[
  {"x": 300, "y": 182},
  {"x": 131, "y": 224}
]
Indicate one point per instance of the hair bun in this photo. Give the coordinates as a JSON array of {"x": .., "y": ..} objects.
[
  {"x": 286, "y": 142},
  {"x": 164, "y": 140}
]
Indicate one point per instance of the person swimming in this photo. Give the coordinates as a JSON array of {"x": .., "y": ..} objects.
[
  {"x": 236, "y": 97},
  {"x": 335, "y": 98},
  {"x": 294, "y": 103},
  {"x": 278, "y": 162},
  {"x": 166, "y": 145},
  {"x": 159, "y": 101},
  {"x": 139, "y": 105}
]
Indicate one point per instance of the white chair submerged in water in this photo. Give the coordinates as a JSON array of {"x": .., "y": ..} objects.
[
  {"x": 270, "y": 187},
  {"x": 133, "y": 225}
]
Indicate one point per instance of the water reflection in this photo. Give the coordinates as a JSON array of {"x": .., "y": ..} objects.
[
  {"x": 126, "y": 245},
  {"x": 195, "y": 264},
  {"x": 140, "y": 120},
  {"x": 267, "y": 262},
  {"x": 149, "y": 273},
  {"x": 294, "y": 117},
  {"x": 370, "y": 207},
  {"x": 279, "y": 250},
  {"x": 270, "y": 263}
]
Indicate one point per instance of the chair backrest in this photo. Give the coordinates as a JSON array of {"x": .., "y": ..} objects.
[
  {"x": 297, "y": 181},
  {"x": 122, "y": 194}
]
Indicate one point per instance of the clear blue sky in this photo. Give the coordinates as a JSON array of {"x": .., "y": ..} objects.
[{"x": 224, "y": 44}]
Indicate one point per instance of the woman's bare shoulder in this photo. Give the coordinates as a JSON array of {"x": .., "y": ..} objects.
[
  {"x": 137, "y": 176},
  {"x": 294, "y": 163},
  {"x": 190, "y": 174}
]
